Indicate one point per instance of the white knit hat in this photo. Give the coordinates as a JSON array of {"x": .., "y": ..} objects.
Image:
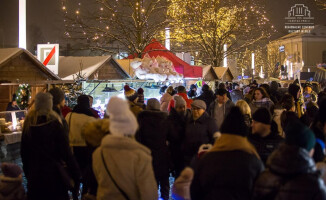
[{"x": 122, "y": 120}]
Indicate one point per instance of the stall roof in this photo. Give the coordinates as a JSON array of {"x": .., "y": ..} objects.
[
  {"x": 8, "y": 54},
  {"x": 155, "y": 49},
  {"x": 209, "y": 73},
  {"x": 125, "y": 64},
  {"x": 221, "y": 72},
  {"x": 69, "y": 66}
]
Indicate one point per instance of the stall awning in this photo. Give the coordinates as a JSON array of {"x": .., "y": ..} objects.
[{"x": 155, "y": 49}]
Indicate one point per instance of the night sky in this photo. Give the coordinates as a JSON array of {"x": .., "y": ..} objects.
[{"x": 45, "y": 20}]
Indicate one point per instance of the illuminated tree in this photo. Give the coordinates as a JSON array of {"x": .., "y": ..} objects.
[
  {"x": 321, "y": 3},
  {"x": 206, "y": 25},
  {"x": 265, "y": 57},
  {"x": 115, "y": 25}
]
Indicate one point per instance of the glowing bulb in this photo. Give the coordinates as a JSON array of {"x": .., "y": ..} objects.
[
  {"x": 77, "y": 12},
  {"x": 63, "y": 7}
]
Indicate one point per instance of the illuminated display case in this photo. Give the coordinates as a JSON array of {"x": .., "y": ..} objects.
[{"x": 12, "y": 121}]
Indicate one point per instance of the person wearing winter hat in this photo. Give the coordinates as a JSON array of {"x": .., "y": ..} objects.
[
  {"x": 11, "y": 187},
  {"x": 58, "y": 104},
  {"x": 80, "y": 115},
  {"x": 58, "y": 99},
  {"x": 140, "y": 100},
  {"x": 291, "y": 168},
  {"x": 165, "y": 99},
  {"x": 220, "y": 107},
  {"x": 216, "y": 175},
  {"x": 199, "y": 130},
  {"x": 153, "y": 104},
  {"x": 176, "y": 123},
  {"x": 263, "y": 137},
  {"x": 120, "y": 161},
  {"x": 44, "y": 143},
  {"x": 152, "y": 133},
  {"x": 181, "y": 91},
  {"x": 192, "y": 93},
  {"x": 132, "y": 96},
  {"x": 13, "y": 106},
  {"x": 309, "y": 95},
  {"x": 207, "y": 95}
]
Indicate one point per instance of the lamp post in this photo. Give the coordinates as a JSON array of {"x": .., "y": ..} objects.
[
  {"x": 253, "y": 65},
  {"x": 22, "y": 24},
  {"x": 225, "y": 60}
]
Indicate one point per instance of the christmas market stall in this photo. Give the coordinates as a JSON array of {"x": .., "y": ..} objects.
[
  {"x": 224, "y": 74},
  {"x": 21, "y": 77},
  {"x": 157, "y": 50},
  {"x": 99, "y": 76}
]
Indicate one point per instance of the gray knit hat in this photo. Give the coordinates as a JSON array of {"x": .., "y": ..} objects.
[
  {"x": 199, "y": 104},
  {"x": 57, "y": 94},
  {"x": 43, "y": 102},
  {"x": 179, "y": 101},
  {"x": 153, "y": 104}
]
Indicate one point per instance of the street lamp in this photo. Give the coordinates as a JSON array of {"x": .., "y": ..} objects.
[{"x": 253, "y": 65}]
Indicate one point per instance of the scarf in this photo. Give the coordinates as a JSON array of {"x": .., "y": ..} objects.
[{"x": 231, "y": 142}]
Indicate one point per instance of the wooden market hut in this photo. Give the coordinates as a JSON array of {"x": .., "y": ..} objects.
[
  {"x": 102, "y": 68},
  {"x": 209, "y": 73},
  {"x": 223, "y": 73},
  {"x": 18, "y": 66}
]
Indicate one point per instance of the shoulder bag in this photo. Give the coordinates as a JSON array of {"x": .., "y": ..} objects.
[{"x": 115, "y": 183}]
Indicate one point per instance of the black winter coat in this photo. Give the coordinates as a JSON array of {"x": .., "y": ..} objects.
[
  {"x": 153, "y": 134},
  {"x": 265, "y": 146},
  {"x": 198, "y": 132},
  {"x": 42, "y": 146},
  {"x": 227, "y": 175},
  {"x": 291, "y": 174},
  {"x": 176, "y": 130},
  {"x": 208, "y": 97}
]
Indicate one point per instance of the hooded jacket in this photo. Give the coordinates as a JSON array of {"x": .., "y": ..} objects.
[
  {"x": 227, "y": 171},
  {"x": 11, "y": 188},
  {"x": 130, "y": 164},
  {"x": 290, "y": 174}
]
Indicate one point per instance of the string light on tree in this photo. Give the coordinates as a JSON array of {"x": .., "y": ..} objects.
[{"x": 23, "y": 95}]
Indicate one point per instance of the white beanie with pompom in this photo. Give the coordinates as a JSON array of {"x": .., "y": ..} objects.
[{"x": 122, "y": 121}]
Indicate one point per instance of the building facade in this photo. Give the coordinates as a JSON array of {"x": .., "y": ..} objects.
[{"x": 300, "y": 49}]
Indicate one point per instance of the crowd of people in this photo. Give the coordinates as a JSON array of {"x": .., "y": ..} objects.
[{"x": 238, "y": 142}]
